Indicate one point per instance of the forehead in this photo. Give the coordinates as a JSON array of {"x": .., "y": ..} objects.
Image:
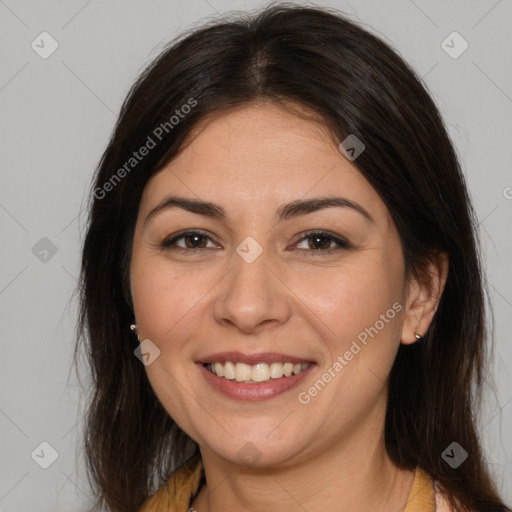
[
  {"x": 260, "y": 135},
  {"x": 260, "y": 154}
]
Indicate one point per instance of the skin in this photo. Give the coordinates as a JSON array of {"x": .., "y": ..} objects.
[{"x": 324, "y": 453}]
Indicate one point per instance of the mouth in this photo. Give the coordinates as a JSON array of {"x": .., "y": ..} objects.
[{"x": 255, "y": 376}]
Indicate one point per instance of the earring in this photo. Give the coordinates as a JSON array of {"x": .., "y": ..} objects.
[
  {"x": 133, "y": 327},
  {"x": 417, "y": 336}
]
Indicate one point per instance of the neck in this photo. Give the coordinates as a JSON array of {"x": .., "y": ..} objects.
[{"x": 354, "y": 475}]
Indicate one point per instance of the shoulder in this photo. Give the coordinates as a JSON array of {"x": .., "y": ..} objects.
[
  {"x": 442, "y": 503},
  {"x": 156, "y": 503},
  {"x": 176, "y": 493}
]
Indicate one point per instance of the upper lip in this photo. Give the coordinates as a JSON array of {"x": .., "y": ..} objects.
[{"x": 251, "y": 359}]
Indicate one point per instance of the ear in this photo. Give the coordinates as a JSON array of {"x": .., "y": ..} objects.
[{"x": 423, "y": 296}]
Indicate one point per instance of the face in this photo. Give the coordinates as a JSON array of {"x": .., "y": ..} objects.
[{"x": 253, "y": 281}]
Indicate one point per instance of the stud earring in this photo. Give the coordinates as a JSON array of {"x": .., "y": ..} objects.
[
  {"x": 417, "y": 336},
  {"x": 133, "y": 327}
]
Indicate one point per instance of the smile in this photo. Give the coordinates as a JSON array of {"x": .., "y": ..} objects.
[
  {"x": 260, "y": 372},
  {"x": 239, "y": 381}
]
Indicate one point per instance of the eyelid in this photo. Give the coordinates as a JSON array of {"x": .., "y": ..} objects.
[
  {"x": 167, "y": 241},
  {"x": 341, "y": 242}
]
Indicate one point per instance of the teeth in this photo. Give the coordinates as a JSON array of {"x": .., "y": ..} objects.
[
  {"x": 219, "y": 370},
  {"x": 260, "y": 372},
  {"x": 229, "y": 370},
  {"x": 242, "y": 372},
  {"x": 276, "y": 370}
]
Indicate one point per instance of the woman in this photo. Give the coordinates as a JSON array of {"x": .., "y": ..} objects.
[{"x": 281, "y": 289}]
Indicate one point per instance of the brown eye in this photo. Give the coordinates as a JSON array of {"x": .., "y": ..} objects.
[
  {"x": 317, "y": 242},
  {"x": 320, "y": 241},
  {"x": 193, "y": 240}
]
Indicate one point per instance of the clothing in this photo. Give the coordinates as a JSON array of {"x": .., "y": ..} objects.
[{"x": 186, "y": 481}]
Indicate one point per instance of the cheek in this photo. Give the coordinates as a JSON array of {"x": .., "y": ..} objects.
[
  {"x": 340, "y": 302},
  {"x": 162, "y": 296},
  {"x": 352, "y": 297},
  {"x": 358, "y": 308}
]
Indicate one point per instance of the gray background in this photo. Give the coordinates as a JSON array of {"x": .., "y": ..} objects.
[{"x": 56, "y": 118}]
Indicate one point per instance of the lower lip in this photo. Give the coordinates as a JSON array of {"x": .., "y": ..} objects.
[{"x": 253, "y": 392}]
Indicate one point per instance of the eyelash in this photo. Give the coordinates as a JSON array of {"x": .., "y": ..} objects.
[{"x": 342, "y": 244}]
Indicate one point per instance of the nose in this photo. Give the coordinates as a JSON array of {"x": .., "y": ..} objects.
[{"x": 252, "y": 295}]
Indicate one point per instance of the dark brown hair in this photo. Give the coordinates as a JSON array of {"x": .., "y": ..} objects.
[{"x": 356, "y": 84}]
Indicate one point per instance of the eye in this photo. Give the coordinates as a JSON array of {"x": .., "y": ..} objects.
[
  {"x": 193, "y": 240},
  {"x": 320, "y": 242}
]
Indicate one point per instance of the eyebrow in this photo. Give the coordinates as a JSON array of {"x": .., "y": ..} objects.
[{"x": 284, "y": 212}]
